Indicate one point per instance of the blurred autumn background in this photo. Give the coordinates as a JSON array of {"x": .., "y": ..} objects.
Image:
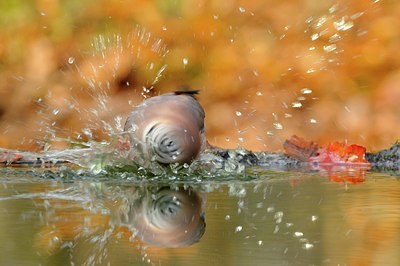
[{"x": 324, "y": 70}]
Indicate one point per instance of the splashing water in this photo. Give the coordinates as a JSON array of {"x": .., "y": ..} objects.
[
  {"x": 321, "y": 52},
  {"x": 113, "y": 60}
]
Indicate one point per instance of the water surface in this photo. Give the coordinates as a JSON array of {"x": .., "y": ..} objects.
[{"x": 278, "y": 218}]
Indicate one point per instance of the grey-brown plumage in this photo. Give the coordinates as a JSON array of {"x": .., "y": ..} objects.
[{"x": 168, "y": 128}]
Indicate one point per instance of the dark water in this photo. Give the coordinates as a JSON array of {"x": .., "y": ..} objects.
[{"x": 279, "y": 218}]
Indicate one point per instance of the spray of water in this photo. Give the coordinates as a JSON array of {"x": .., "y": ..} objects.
[
  {"x": 113, "y": 63},
  {"x": 115, "y": 58},
  {"x": 322, "y": 36}
]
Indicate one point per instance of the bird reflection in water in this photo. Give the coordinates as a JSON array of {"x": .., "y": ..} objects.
[
  {"x": 166, "y": 217},
  {"x": 159, "y": 216}
]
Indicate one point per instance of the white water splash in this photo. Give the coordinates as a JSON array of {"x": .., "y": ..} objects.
[{"x": 101, "y": 71}]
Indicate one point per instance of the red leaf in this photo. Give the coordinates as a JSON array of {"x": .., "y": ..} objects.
[
  {"x": 339, "y": 153},
  {"x": 340, "y": 162}
]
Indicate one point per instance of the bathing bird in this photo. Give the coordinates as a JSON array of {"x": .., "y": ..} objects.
[{"x": 167, "y": 129}]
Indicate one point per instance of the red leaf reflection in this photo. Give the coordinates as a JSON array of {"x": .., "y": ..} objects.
[{"x": 340, "y": 162}]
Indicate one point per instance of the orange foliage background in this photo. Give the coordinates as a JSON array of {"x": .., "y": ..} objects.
[{"x": 324, "y": 70}]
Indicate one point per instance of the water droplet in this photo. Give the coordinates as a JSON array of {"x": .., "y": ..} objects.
[
  {"x": 238, "y": 113},
  {"x": 276, "y": 230},
  {"x": 342, "y": 24},
  {"x": 301, "y": 98},
  {"x": 306, "y": 91},
  {"x": 314, "y": 37},
  {"x": 314, "y": 218},
  {"x": 311, "y": 70},
  {"x": 185, "y": 61},
  {"x": 298, "y": 234},
  {"x": 286, "y": 115},
  {"x": 56, "y": 111},
  {"x": 277, "y": 125},
  {"x": 307, "y": 246},
  {"x": 87, "y": 132},
  {"x": 333, "y": 9},
  {"x": 227, "y": 217},
  {"x": 71, "y": 60},
  {"x": 259, "y": 93},
  {"x": 238, "y": 228},
  {"x": 270, "y": 133},
  {"x": 164, "y": 28},
  {"x": 260, "y": 242},
  {"x": 320, "y": 22},
  {"x": 312, "y": 48},
  {"x": 159, "y": 74},
  {"x": 278, "y": 215},
  {"x": 335, "y": 38},
  {"x": 329, "y": 48},
  {"x": 242, "y": 9},
  {"x": 227, "y": 139},
  {"x": 215, "y": 17},
  {"x": 313, "y": 121},
  {"x": 240, "y": 139},
  {"x": 297, "y": 104}
]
